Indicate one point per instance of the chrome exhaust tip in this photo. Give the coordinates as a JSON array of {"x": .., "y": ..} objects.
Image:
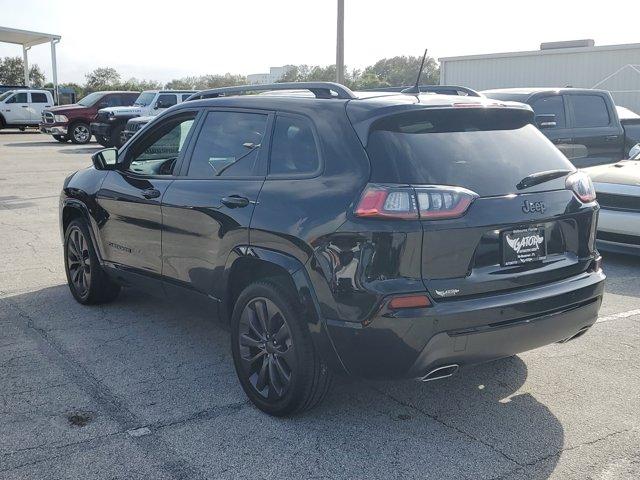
[{"x": 440, "y": 372}]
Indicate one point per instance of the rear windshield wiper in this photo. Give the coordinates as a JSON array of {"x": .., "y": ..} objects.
[{"x": 540, "y": 177}]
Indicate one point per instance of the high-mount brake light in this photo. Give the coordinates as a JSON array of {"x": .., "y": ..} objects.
[
  {"x": 431, "y": 202},
  {"x": 582, "y": 186}
]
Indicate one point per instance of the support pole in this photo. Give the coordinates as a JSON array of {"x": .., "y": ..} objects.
[
  {"x": 54, "y": 69},
  {"x": 340, "y": 44},
  {"x": 25, "y": 61}
]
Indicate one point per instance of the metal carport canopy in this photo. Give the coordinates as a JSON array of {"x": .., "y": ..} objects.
[{"x": 29, "y": 39}]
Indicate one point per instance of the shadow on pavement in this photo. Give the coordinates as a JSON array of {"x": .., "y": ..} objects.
[{"x": 169, "y": 364}]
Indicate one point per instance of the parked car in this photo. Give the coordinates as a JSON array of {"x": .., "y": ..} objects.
[
  {"x": 110, "y": 122},
  {"x": 366, "y": 234},
  {"x": 23, "y": 108},
  {"x": 618, "y": 190},
  {"x": 582, "y": 123},
  {"x": 133, "y": 126},
  {"x": 71, "y": 122},
  {"x": 631, "y": 123}
]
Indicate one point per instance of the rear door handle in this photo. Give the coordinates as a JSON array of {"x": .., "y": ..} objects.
[
  {"x": 235, "y": 201},
  {"x": 24, "y": 106},
  {"x": 563, "y": 140},
  {"x": 611, "y": 138},
  {"x": 151, "y": 193}
]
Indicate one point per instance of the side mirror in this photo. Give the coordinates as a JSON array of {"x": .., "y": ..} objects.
[
  {"x": 547, "y": 120},
  {"x": 634, "y": 153},
  {"x": 105, "y": 159}
]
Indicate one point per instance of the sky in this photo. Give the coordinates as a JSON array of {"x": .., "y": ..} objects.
[{"x": 165, "y": 40}]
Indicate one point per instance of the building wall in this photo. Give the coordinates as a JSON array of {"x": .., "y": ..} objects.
[{"x": 603, "y": 67}]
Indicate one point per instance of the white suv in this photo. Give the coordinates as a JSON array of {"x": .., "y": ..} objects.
[{"x": 23, "y": 108}]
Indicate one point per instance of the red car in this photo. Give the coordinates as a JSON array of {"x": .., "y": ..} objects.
[{"x": 71, "y": 122}]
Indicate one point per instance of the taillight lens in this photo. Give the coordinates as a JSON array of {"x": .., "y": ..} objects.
[
  {"x": 387, "y": 202},
  {"x": 425, "y": 202},
  {"x": 582, "y": 186},
  {"x": 444, "y": 202}
]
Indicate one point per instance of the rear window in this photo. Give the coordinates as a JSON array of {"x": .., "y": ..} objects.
[{"x": 485, "y": 150}]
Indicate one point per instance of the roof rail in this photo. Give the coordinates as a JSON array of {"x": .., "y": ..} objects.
[
  {"x": 442, "y": 89},
  {"x": 319, "y": 89}
]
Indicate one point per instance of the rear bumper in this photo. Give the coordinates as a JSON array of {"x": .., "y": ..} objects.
[{"x": 410, "y": 343}]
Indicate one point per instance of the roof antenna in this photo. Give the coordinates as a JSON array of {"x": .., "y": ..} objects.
[{"x": 416, "y": 88}]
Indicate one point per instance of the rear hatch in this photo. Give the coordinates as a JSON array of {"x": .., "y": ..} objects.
[{"x": 488, "y": 224}]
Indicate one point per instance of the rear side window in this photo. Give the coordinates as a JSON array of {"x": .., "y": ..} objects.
[
  {"x": 228, "y": 144},
  {"x": 485, "y": 150},
  {"x": 294, "y": 150},
  {"x": 39, "y": 98},
  {"x": 589, "y": 111},
  {"x": 551, "y": 106}
]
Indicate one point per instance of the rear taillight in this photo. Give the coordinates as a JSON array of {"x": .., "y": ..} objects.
[
  {"x": 582, "y": 186},
  {"x": 425, "y": 202}
]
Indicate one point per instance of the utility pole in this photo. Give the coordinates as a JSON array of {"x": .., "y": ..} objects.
[{"x": 340, "y": 44}]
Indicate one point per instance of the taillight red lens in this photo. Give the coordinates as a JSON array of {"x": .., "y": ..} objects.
[
  {"x": 440, "y": 202},
  {"x": 431, "y": 202},
  {"x": 387, "y": 202},
  {"x": 582, "y": 186}
]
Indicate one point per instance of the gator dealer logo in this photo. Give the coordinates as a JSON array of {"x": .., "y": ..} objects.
[
  {"x": 533, "y": 207},
  {"x": 531, "y": 241}
]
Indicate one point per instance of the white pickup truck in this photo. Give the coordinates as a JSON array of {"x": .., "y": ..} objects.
[{"x": 23, "y": 108}]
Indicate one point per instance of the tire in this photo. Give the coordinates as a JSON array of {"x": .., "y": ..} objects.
[
  {"x": 116, "y": 135},
  {"x": 79, "y": 133},
  {"x": 263, "y": 360},
  {"x": 88, "y": 282},
  {"x": 104, "y": 141},
  {"x": 61, "y": 138}
]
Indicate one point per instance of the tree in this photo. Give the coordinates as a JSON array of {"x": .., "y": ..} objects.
[
  {"x": 12, "y": 72},
  {"x": 133, "y": 84},
  {"x": 403, "y": 70},
  {"x": 207, "y": 81},
  {"x": 105, "y": 78}
]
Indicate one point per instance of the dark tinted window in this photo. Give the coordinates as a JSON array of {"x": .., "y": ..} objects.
[
  {"x": 166, "y": 101},
  {"x": 39, "y": 98},
  {"x": 294, "y": 149},
  {"x": 111, "y": 100},
  {"x": 185, "y": 96},
  {"x": 485, "y": 150},
  {"x": 551, "y": 106},
  {"x": 18, "y": 98},
  {"x": 589, "y": 111},
  {"x": 228, "y": 144}
]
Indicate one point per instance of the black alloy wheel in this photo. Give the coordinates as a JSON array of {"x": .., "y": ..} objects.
[
  {"x": 79, "y": 262},
  {"x": 274, "y": 356},
  {"x": 266, "y": 348}
]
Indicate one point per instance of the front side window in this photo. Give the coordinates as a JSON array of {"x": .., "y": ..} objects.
[
  {"x": 166, "y": 101},
  {"x": 228, "y": 144},
  {"x": 551, "y": 106},
  {"x": 39, "y": 98},
  {"x": 18, "y": 98},
  {"x": 156, "y": 154},
  {"x": 294, "y": 150},
  {"x": 589, "y": 111}
]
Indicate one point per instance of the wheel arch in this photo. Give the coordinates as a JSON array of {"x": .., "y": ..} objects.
[
  {"x": 247, "y": 265},
  {"x": 73, "y": 209}
]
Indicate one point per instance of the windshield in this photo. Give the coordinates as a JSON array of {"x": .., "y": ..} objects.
[
  {"x": 485, "y": 150},
  {"x": 5, "y": 95},
  {"x": 145, "y": 99},
  {"x": 90, "y": 99}
]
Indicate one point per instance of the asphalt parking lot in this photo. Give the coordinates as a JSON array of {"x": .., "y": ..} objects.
[{"x": 146, "y": 389}]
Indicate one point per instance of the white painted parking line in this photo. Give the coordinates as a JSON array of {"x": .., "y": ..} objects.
[{"x": 617, "y": 316}]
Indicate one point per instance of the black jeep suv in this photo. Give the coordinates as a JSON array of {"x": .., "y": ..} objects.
[{"x": 381, "y": 235}]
